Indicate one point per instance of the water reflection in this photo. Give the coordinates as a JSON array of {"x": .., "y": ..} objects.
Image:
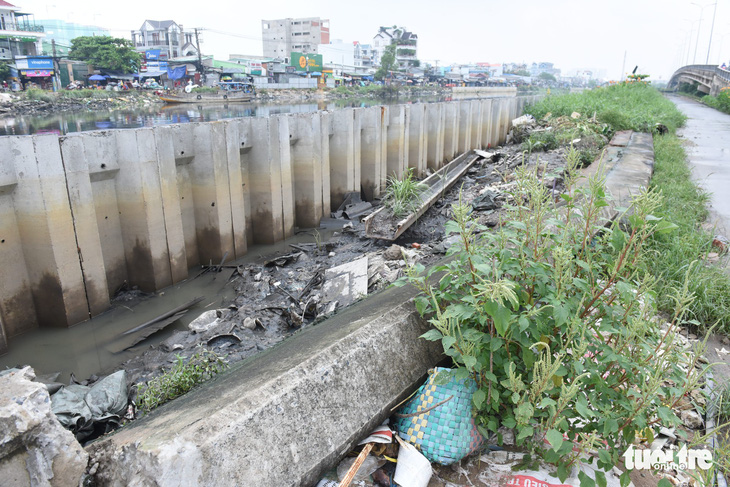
[{"x": 64, "y": 123}]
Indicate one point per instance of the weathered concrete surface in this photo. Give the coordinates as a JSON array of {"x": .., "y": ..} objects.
[
  {"x": 627, "y": 165},
  {"x": 285, "y": 416},
  {"x": 706, "y": 133},
  {"x": 35, "y": 450}
]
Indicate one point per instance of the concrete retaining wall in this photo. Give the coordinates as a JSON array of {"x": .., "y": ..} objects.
[
  {"x": 286, "y": 415},
  {"x": 83, "y": 214}
]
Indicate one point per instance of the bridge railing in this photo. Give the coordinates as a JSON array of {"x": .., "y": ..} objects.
[{"x": 722, "y": 73}]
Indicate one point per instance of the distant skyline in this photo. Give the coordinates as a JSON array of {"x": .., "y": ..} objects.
[{"x": 656, "y": 35}]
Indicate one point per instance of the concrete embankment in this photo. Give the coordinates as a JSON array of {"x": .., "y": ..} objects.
[
  {"x": 85, "y": 214},
  {"x": 289, "y": 414}
]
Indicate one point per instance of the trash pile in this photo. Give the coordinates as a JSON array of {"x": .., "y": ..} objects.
[{"x": 434, "y": 443}]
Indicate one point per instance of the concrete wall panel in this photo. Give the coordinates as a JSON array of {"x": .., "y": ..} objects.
[
  {"x": 435, "y": 121},
  {"x": 140, "y": 206},
  {"x": 417, "y": 139},
  {"x": 398, "y": 129},
  {"x": 452, "y": 121},
  {"x": 373, "y": 147},
  {"x": 77, "y": 165}
]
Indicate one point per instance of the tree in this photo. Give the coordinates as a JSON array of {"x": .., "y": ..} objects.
[
  {"x": 106, "y": 52},
  {"x": 4, "y": 70},
  {"x": 547, "y": 77},
  {"x": 387, "y": 63}
]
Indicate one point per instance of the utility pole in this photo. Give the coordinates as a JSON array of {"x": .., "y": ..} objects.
[
  {"x": 712, "y": 29},
  {"x": 56, "y": 74},
  {"x": 200, "y": 56}
]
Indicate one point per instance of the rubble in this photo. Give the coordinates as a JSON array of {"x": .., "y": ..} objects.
[{"x": 34, "y": 448}]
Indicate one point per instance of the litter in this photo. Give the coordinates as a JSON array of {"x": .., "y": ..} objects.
[
  {"x": 438, "y": 419},
  {"x": 413, "y": 469},
  {"x": 81, "y": 408}
]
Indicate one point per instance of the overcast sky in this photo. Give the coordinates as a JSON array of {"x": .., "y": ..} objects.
[{"x": 656, "y": 35}]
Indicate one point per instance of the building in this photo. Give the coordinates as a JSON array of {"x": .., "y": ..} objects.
[
  {"x": 282, "y": 37},
  {"x": 363, "y": 55},
  {"x": 338, "y": 53},
  {"x": 63, "y": 32},
  {"x": 161, "y": 40},
  {"x": 538, "y": 68},
  {"x": 19, "y": 34},
  {"x": 406, "y": 42}
]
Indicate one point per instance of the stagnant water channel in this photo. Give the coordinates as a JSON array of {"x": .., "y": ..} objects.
[{"x": 93, "y": 347}]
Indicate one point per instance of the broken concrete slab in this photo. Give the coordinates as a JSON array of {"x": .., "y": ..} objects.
[
  {"x": 346, "y": 283},
  {"x": 309, "y": 400},
  {"x": 34, "y": 448}
]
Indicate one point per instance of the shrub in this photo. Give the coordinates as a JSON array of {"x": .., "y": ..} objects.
[
  {"x": 39, "y": 95},
  {"x": 554, "y": 320}
]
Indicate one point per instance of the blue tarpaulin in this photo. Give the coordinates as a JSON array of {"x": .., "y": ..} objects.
[{"x": 176, "y": 73}]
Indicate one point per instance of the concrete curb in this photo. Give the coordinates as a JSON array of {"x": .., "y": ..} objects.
[
  {"x": 288, "y": 414},
  {"x": 627, "y": 165}
]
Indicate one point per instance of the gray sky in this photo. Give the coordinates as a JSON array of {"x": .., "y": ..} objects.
[{"x": 572, "y": 34}]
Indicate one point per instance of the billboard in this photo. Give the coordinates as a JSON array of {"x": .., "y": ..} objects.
[
  {"x": 152, "y": 55},
  {"x": 34, "y": 63},
  {"x": 300, "y": 61}
]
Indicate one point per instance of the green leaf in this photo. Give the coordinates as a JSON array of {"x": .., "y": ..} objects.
[
  {"x": 664, "y": 483},
  {"x": 625, "y": 479},
  {"x": 581, "y": 405},
  {"x": 525, "y": 431},
  {"x": 470, "y": 361},
  {"x": 448, "y": 342},
  {"x": 479, "y": 397},
  {"x": 546, "y": 401},
  {"x": 563, "y": 472},
  {"x": 665, "y": 227},
  {"x": 605, "y": 457},
  {"x": 601, "y": 479},
  {"x": 432, "y": 335},
  {"x": 585, "y": 480},
  {"x": 421, "y": 305},
  {"x": 555, "y": 438},
  {"x": 610, "y": 427}
]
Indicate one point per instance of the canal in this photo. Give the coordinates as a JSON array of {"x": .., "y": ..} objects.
[{"x": 82, "y": 121}]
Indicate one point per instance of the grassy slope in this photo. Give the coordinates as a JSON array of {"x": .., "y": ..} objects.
[{"x": 680, "y": 254}]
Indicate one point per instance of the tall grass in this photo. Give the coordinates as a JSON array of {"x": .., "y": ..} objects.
[
  {"x": 684, "y": 252},
  {"x": 626, "y": 106},
  {"x": 403, "y": 196}
]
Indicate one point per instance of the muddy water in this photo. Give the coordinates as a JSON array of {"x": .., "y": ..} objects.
[{"x": 92, "y": 347}]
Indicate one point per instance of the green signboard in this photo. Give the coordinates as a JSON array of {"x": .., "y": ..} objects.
[{"x": 300, "y": 61}]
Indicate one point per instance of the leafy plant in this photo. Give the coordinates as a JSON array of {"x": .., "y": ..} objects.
[
  {"x": 183, "y": 376},
  {"x": 105, "y": 52},
  {"x": 403, "y": 196},
  {"x": 554, "y": 320}
]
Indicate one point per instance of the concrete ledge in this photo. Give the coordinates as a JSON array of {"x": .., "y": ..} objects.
[
  {"x": 627, "y": 165},
  {"x": 288, "y": 414}
]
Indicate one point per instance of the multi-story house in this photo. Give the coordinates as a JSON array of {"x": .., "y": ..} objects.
[
  {"x": 282, "y": 37},
  {"x": 538, "y": 68},
  {"x": 406, "y": 53},
  {"x": 19, "y": 34},
  {"x": 165, "y": 36},
  {"x": 363, "y": 55}
]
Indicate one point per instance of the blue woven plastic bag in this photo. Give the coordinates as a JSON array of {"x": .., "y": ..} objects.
[{"x": 445, "y": 433}]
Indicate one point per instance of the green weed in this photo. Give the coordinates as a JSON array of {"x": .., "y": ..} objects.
[
  {"x": 403, "y": 196},
  {"x": 183, "y": 376},
  {"x": 553, "y": 318}
]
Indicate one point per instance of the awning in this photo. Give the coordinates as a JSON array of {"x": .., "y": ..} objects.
[{"x": 150, "y": 74}]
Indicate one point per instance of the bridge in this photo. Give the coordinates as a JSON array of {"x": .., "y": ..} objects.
[{"x": 710, "y": 78}]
